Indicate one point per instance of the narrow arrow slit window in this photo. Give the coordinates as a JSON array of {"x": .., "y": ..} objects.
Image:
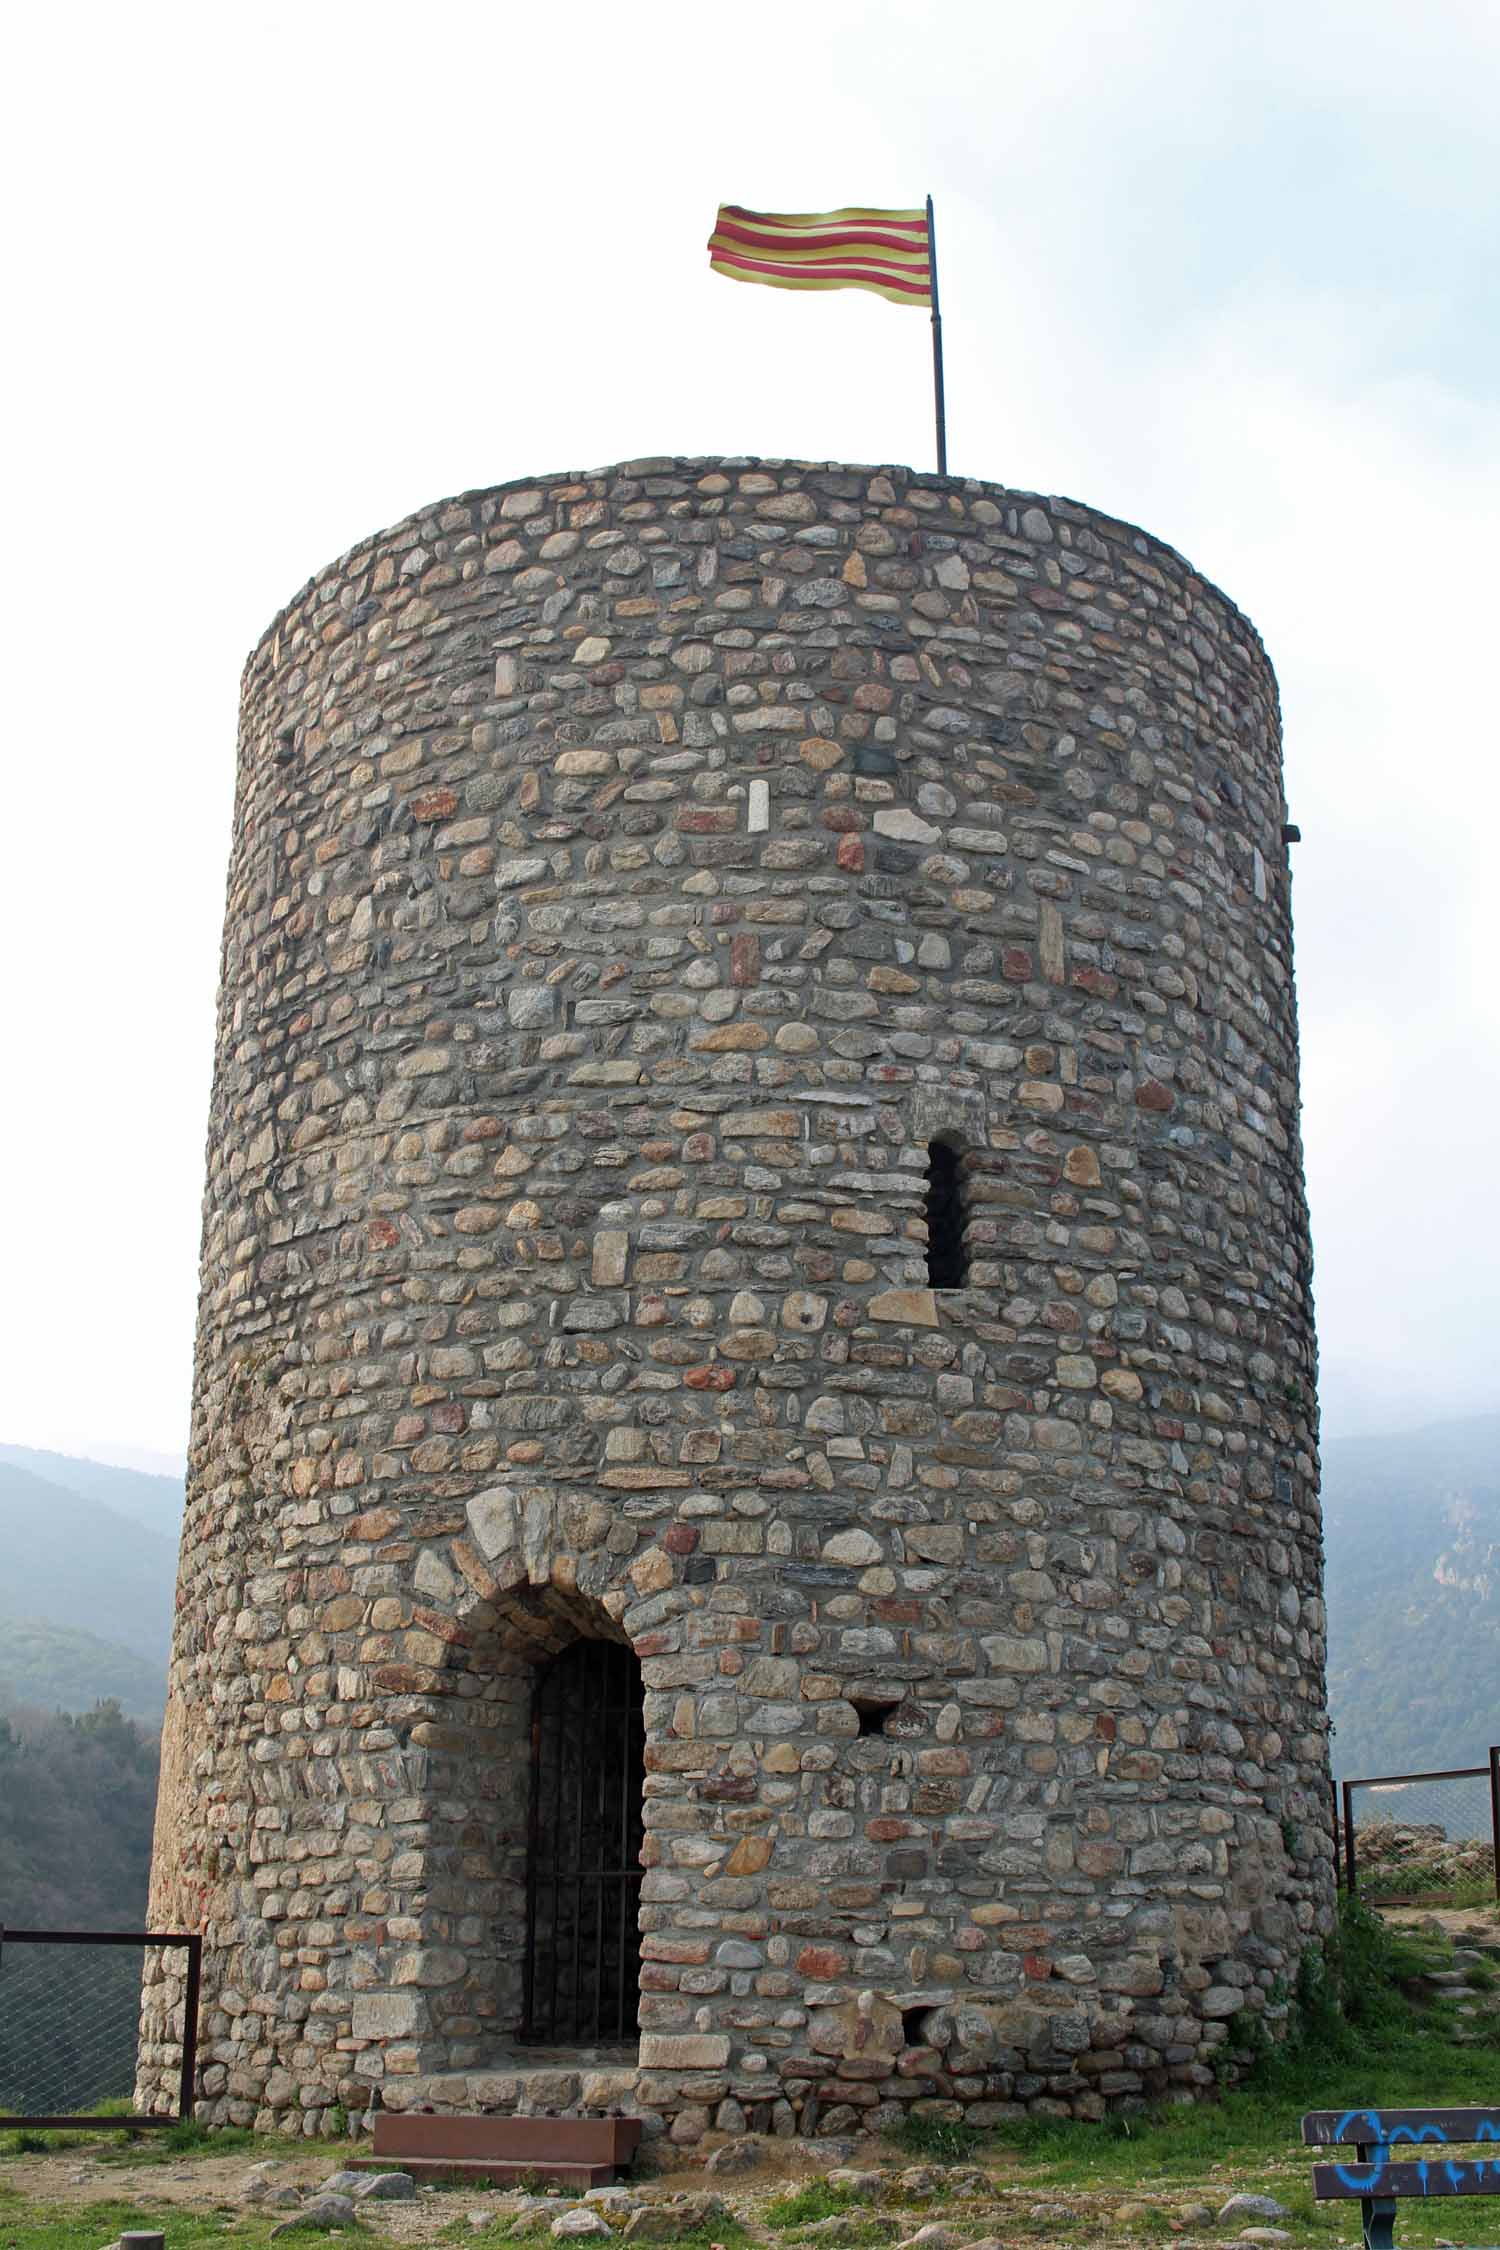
[{"x": 947, "y": 1258}]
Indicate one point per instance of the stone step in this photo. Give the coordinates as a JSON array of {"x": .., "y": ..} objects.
[{"x": 580, "y": 2152}]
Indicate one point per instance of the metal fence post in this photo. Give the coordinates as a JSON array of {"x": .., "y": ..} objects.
[
  {"x": 1495, "y": 1810},
  {"x": 186, "y": 2096},
  {"x": 1351, "y": 1875}
]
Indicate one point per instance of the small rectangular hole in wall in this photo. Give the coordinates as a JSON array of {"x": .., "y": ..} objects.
[{"x": 873, "y": 1711}]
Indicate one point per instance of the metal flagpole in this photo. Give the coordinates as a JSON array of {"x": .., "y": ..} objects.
[{"x": 937, "y": 348}]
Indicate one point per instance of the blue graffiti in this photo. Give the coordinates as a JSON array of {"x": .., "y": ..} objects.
[
  {"x": 1382, "y": 2140},
  {"x": 1369, "y": 2127}
]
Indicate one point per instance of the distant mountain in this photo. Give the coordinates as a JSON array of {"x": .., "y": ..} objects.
[
  {"x": 68, "y": 1560},
  {"x": 1412, "y": 1532},
  {"x": 55, "y": 1668},
  {"x": 152, "y": 1501}
]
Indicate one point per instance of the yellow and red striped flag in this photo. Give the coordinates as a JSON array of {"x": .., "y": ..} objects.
[{"x": 887, "y": 251}]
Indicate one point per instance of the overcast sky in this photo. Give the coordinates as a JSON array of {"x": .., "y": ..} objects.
[{"x": 277, "y": 275}]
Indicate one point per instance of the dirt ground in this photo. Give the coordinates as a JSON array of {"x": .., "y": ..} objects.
[
  {"x": 217, "y": 2183},
  {"x": 945, "y": 2208}
]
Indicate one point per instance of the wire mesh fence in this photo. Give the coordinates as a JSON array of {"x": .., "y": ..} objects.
[
  {"x": 1424, "y": 1838},
  {"x": 70, "y": 2006}
]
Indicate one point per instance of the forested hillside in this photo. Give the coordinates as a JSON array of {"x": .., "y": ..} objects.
[
  {"x": 54, "y": 1668},
  {"x": 85, "y": 1611},
  {"x": 76, "y": 1800},
  {"x": 1412, "y": 1528}
]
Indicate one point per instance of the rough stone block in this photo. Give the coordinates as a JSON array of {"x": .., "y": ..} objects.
[
  {"x": 683, "y": 2050},
  {"x": 388, "y": 2015}
]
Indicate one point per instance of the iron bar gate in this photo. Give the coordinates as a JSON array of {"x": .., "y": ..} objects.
[{"x": 583, "y": 1880}]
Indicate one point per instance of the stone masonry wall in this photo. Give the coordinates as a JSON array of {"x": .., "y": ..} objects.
[{"x": 634, "y": 873}]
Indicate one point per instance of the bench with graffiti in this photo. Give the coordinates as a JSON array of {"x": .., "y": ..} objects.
[{"x": 1403, "y": 2152}]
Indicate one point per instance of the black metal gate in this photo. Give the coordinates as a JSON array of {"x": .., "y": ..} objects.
[
  {"x": 1423, "y": 1839},
  {"x": 70, "y": 2006},
  {"x": 583, "y": 1944}
]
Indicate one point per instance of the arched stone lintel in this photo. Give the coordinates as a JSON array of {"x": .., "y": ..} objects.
[{"x": 516, "y": 1576}]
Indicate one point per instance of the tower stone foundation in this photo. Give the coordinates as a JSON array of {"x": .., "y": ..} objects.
[{"x": 752, "y": 1531}]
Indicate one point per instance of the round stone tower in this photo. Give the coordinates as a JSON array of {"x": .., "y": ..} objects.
[{"x": 752, "y": 1548}]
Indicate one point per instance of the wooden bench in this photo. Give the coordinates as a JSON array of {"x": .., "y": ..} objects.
[{"x": 1382, "y": 2172}]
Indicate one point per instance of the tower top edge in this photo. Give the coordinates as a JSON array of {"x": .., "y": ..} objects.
[{"x": 426, "y": 521}]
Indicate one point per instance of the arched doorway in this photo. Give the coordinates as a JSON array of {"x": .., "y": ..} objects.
[{"x": 583, "y": 1869}]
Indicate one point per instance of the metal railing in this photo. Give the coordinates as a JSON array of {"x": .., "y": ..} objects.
[
  {"x": 69, "y": 2024},
  {"x": 1422, "y": 1839}
]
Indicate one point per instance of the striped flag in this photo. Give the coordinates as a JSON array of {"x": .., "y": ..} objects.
[{"x": 887, "y": 251}]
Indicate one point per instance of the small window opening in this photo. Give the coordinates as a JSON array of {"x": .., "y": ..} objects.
[
  {"x": 914, "y": 2026},
  {"x": 873, "y": 1711},
  {"x": 947, "y": 1264}
]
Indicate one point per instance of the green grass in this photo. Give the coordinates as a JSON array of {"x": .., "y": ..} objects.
[
  {"x": 1356, "y": 2038},
  {"x": 866, "y": 2233},
  {"x": 178, "y": 2141},
  {"x": 172, "y": 2144},
  {"x": 729, "y": 2231},
  {"x": 1425, "y": 1885},
  {"x": 815, "y": 2199},
  {"x": 313, "y": 2233},
  {"x": 27, "y": 2141},
  {"x": 935, "y": 2140},
  {"x": 83, "y": 2226}
]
